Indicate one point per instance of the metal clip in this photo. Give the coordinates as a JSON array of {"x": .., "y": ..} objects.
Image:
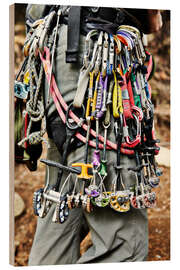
[
  {"x": 137, "y": 140},
  {"x": 105, "y": 55},
  {"x": 44, "y": 31},
  {"x": 99, "y": 50},
  {"x": 111, "y": 53}
]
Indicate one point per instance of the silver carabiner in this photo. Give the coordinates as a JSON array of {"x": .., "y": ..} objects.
[
  {"x": 44, "y": 31},
  {"x": 99, "y": 50},
  {"x": 88, "y": 47},
  {"x": 105, "y": 54}
]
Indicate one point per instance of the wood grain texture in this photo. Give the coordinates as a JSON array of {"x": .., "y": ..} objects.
[{"x": 11, "y": 134}]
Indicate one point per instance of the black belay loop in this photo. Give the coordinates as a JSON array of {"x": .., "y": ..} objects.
[{"x": 73, "y": 34}]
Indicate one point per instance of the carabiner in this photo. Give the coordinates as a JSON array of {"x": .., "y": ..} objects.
[
  {"x": 137, "y": 140},
  {"x": 138, "y": 111},
  {"x": 118, "y": 43},
  {"x": 99, "y": 50},
  {"x": 130, "y": 29},
  {"x": 105, "y": 55},
  {"x": 123, "y": 40},
  {"x": 126, "y": 39},
  {"x": 99, "y": 102},
  {"x": 88, "y": 47},
  {"x": 111, "y": 53},
  {"x": 44, "y": 31},
  {"x": 70, "y": 121}
]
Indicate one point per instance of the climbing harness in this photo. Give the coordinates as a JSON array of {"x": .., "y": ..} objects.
[{"x": 113, "y": 92}]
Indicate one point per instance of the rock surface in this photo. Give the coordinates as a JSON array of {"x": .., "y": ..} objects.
[
  {"x": 163, "y": 158},
  {"x": 19, "y": 205}
]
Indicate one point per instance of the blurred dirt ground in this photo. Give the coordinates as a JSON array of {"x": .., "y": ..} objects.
[{"x": 159, "y": 218}]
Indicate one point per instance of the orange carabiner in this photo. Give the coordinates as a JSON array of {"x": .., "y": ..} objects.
[{"x": 123, "y": 40}]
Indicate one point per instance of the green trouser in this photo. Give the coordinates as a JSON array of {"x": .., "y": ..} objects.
[{"x": 116, "y": 237}]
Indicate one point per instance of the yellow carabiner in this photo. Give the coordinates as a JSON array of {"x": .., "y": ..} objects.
[
  {"x": 26, "y": 77},
  {"x": 90, "y": 99},
  {"x": 130, "y": 28},
  {"x": 26, "y": 49},
  {"x": 117, "y": 98},
  {"x": 118, "y": 43}
]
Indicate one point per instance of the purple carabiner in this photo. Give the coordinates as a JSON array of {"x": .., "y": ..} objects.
[
  {"x": 101, "y": 103},
  {"x": 127, "y": 36}
]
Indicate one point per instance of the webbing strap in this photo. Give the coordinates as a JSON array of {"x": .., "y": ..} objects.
[
  {"x": 81, "y": 88},
  {"x": 83, "y": 80},
  {"x": 126, "y": 102},
  {"x": 117, "y": 98},
  {"x": 90, "y": 99},
  {"x": 73, "y": 34},
  {"x": 131, "y": 97}
]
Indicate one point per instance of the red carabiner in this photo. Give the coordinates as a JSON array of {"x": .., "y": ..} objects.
[
  {"x": 130, "y": 143},
  {"x": 138, "y": 111}
]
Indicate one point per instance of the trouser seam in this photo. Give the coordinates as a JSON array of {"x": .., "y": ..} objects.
[
  {"x": 77, "y": 228},
  {"x": 135, "y": 233}
]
